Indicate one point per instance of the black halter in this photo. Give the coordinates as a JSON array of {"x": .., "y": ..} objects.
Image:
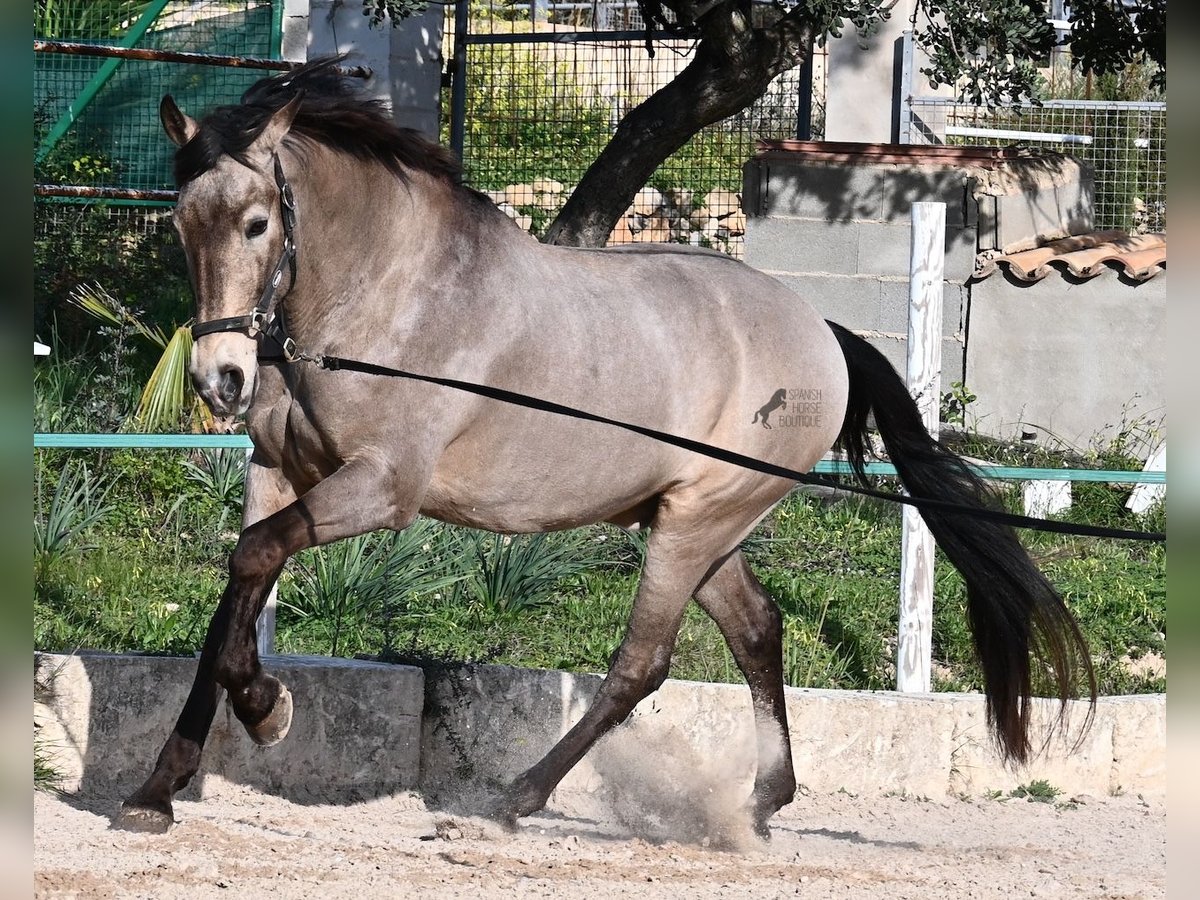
[{"x": 261, "y": 320}]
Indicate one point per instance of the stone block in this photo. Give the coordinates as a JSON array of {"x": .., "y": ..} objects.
[
  {"x": 1139, "y": 739},
  {"x": 893, "y": 307},
  {"x": 904, "y": 185},
  {"x": 869, "y": 741},
  {"x": 849, "y": 300},
  {"x": 832, "y": 193},
  {"x": 1073, "y": 761},
  {"x": 355, "y": 731},
  {"x": 1018, "y": 215},
  {"x": 884, "y": 248},
  {"x": 802, "y": 245},
  {"x": 1078, "y": 359}
]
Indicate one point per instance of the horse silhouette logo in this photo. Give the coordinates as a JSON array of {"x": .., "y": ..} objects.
[{"x": 777, "y": 401}]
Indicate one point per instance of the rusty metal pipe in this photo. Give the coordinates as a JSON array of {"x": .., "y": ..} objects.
[{"x": 176, "y": 56}]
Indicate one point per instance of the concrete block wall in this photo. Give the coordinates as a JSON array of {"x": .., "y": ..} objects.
[
  {"x": 834, "y": 226},
  {"x": 1070, "y": 360},
  {"x": 487, "y": 724},
  {"x": 363, "y": 729},
  {"x": 358, "y": 726},
  {"x": 839, "y": 235}
]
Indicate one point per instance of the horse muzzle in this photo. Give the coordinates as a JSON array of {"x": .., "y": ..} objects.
[{"x": 224, "y": 378}]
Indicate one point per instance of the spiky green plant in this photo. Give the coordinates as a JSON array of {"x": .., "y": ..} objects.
[
  {"x": 80, "y": 501},
  {"x": 350, "y": 582},
  {"x": 518, "y": 572},
  {"x": 168, "y": 396}
]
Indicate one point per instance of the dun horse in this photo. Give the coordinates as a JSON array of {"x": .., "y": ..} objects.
[{"x": 370, "y": 248}]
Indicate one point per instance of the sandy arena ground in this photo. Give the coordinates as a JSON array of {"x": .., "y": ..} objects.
[{"x": 822, "y": 846}]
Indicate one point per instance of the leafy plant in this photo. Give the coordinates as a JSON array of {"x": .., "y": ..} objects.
[
  {"x": 1039, "y": 791},
  {"x": 955, "y": 403},
  {"x": 222, "y": 474},
  {"x": 80, "y": 501},
  {"x": 397, "y": 10},
  {"x": 168, "y": 395},
  {"x": 348, "y": 582},
  {"x": 46, "y": 777},
  {"x": 519, "y": 572}
]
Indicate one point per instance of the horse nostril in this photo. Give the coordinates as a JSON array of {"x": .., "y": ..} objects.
[{"x": 229, "y": 388}]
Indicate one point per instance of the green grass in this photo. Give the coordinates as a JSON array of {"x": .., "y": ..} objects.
[{"x": 157, "y": 566}]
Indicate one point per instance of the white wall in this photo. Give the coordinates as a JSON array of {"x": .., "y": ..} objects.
[
  {"x": 864, "y": 88},
  {"x": 406, "y": 61}
]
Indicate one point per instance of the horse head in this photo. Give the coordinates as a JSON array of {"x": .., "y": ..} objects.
[{"x": 231, "y": 221}]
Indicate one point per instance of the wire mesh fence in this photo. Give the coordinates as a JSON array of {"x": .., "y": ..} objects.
[
  {"x": 1124, "y": 143},
  {"x": 96, "y": 120},
  {"x": 548, "y": 83},
  {"x": 96, "y": 126},
  {"x": 1123, "y": 138}
]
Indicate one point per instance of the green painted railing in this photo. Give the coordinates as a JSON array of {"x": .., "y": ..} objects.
[{"x": 824, "y": 467}]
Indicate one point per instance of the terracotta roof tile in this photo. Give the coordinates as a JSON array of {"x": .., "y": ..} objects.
[{"x": 1138, "y": 256}]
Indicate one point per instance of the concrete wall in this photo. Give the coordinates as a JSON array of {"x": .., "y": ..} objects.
[
  {"x": 358, "y": 723},
  {"x": 362, "y": 729},
  {"x": 1064, "y": 355},
  {"x": 864, "y": 86},
  {"x": 486, "y": 724},
  {"x": 1070, "y": 360},
  {"x": 406, "y": 61},
  {"x": 838, "y": 233}
]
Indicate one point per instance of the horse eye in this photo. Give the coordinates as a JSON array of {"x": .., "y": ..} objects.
[{"x": 256, "y": 228}]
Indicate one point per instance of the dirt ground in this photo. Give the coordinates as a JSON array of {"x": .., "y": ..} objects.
[{"x": 837, "y": 845}]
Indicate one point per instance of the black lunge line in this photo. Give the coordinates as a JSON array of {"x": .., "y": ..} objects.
[{"x": 337, "y": 363}]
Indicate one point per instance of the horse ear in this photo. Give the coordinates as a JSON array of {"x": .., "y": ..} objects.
[
  {"x": 277, "y": 126},
  {"x": 180, "y": 127}
]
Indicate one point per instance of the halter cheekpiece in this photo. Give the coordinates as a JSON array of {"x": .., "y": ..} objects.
[{"x": 261, "y": 320}]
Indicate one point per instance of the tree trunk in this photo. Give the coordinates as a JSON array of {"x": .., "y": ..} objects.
[{"x": 714, "y": 86}]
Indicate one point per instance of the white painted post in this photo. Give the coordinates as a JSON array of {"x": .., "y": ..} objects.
[
  {"x": 1146, "y": 495},
  {"x": 924, "y": 375},
  {"x": 266, "y": 623},
  {"x": 1045, "y": 498},
  {"x": 266, "y": 619}
]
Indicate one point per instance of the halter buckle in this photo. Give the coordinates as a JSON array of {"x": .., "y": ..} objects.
[{"x": 258, "y": 322}]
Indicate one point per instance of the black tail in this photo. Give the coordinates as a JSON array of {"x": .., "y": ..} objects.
[{"x": 1012, "y": 609}]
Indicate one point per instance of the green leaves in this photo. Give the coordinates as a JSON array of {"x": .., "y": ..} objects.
[
  {"x": 990, "y": 49},
  {"x": 514, "y": 573},
  {"x": 167, "y": 397},
  {"x": 397, "y": 10},
  {"x": 985, "y": 47},
  {"x": 80, "y": 501},
  {"x": 350, "y": 582},
  {"x": 1108, "y": 36}
]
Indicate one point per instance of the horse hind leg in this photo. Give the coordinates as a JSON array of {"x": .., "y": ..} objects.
[
  {"x": 677, "y": 560},
  {"x": 752, "y": 626}
]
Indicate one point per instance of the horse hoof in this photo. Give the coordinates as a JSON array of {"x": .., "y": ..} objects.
[
  {"x": 503, "y": 816},
  {"x": 762, "y": 830},
  {"x": 275, "y": 726},
  {"x": 142, "y": 819}
]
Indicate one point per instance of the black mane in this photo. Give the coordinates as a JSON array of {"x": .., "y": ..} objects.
[{"x": 332, "y": 113}]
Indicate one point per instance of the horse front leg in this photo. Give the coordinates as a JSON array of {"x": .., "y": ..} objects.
[{"x": 356, "y": 499}]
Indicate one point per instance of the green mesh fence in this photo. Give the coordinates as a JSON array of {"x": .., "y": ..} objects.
[{"x": 96, "y": 120}]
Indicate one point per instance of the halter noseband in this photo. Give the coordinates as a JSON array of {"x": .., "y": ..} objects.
[{"x": 261, "y": 320}]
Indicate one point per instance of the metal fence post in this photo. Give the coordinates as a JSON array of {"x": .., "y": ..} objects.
[
  {"x": 458, "y": 83},
  {"x": 914, "y": 655}
]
